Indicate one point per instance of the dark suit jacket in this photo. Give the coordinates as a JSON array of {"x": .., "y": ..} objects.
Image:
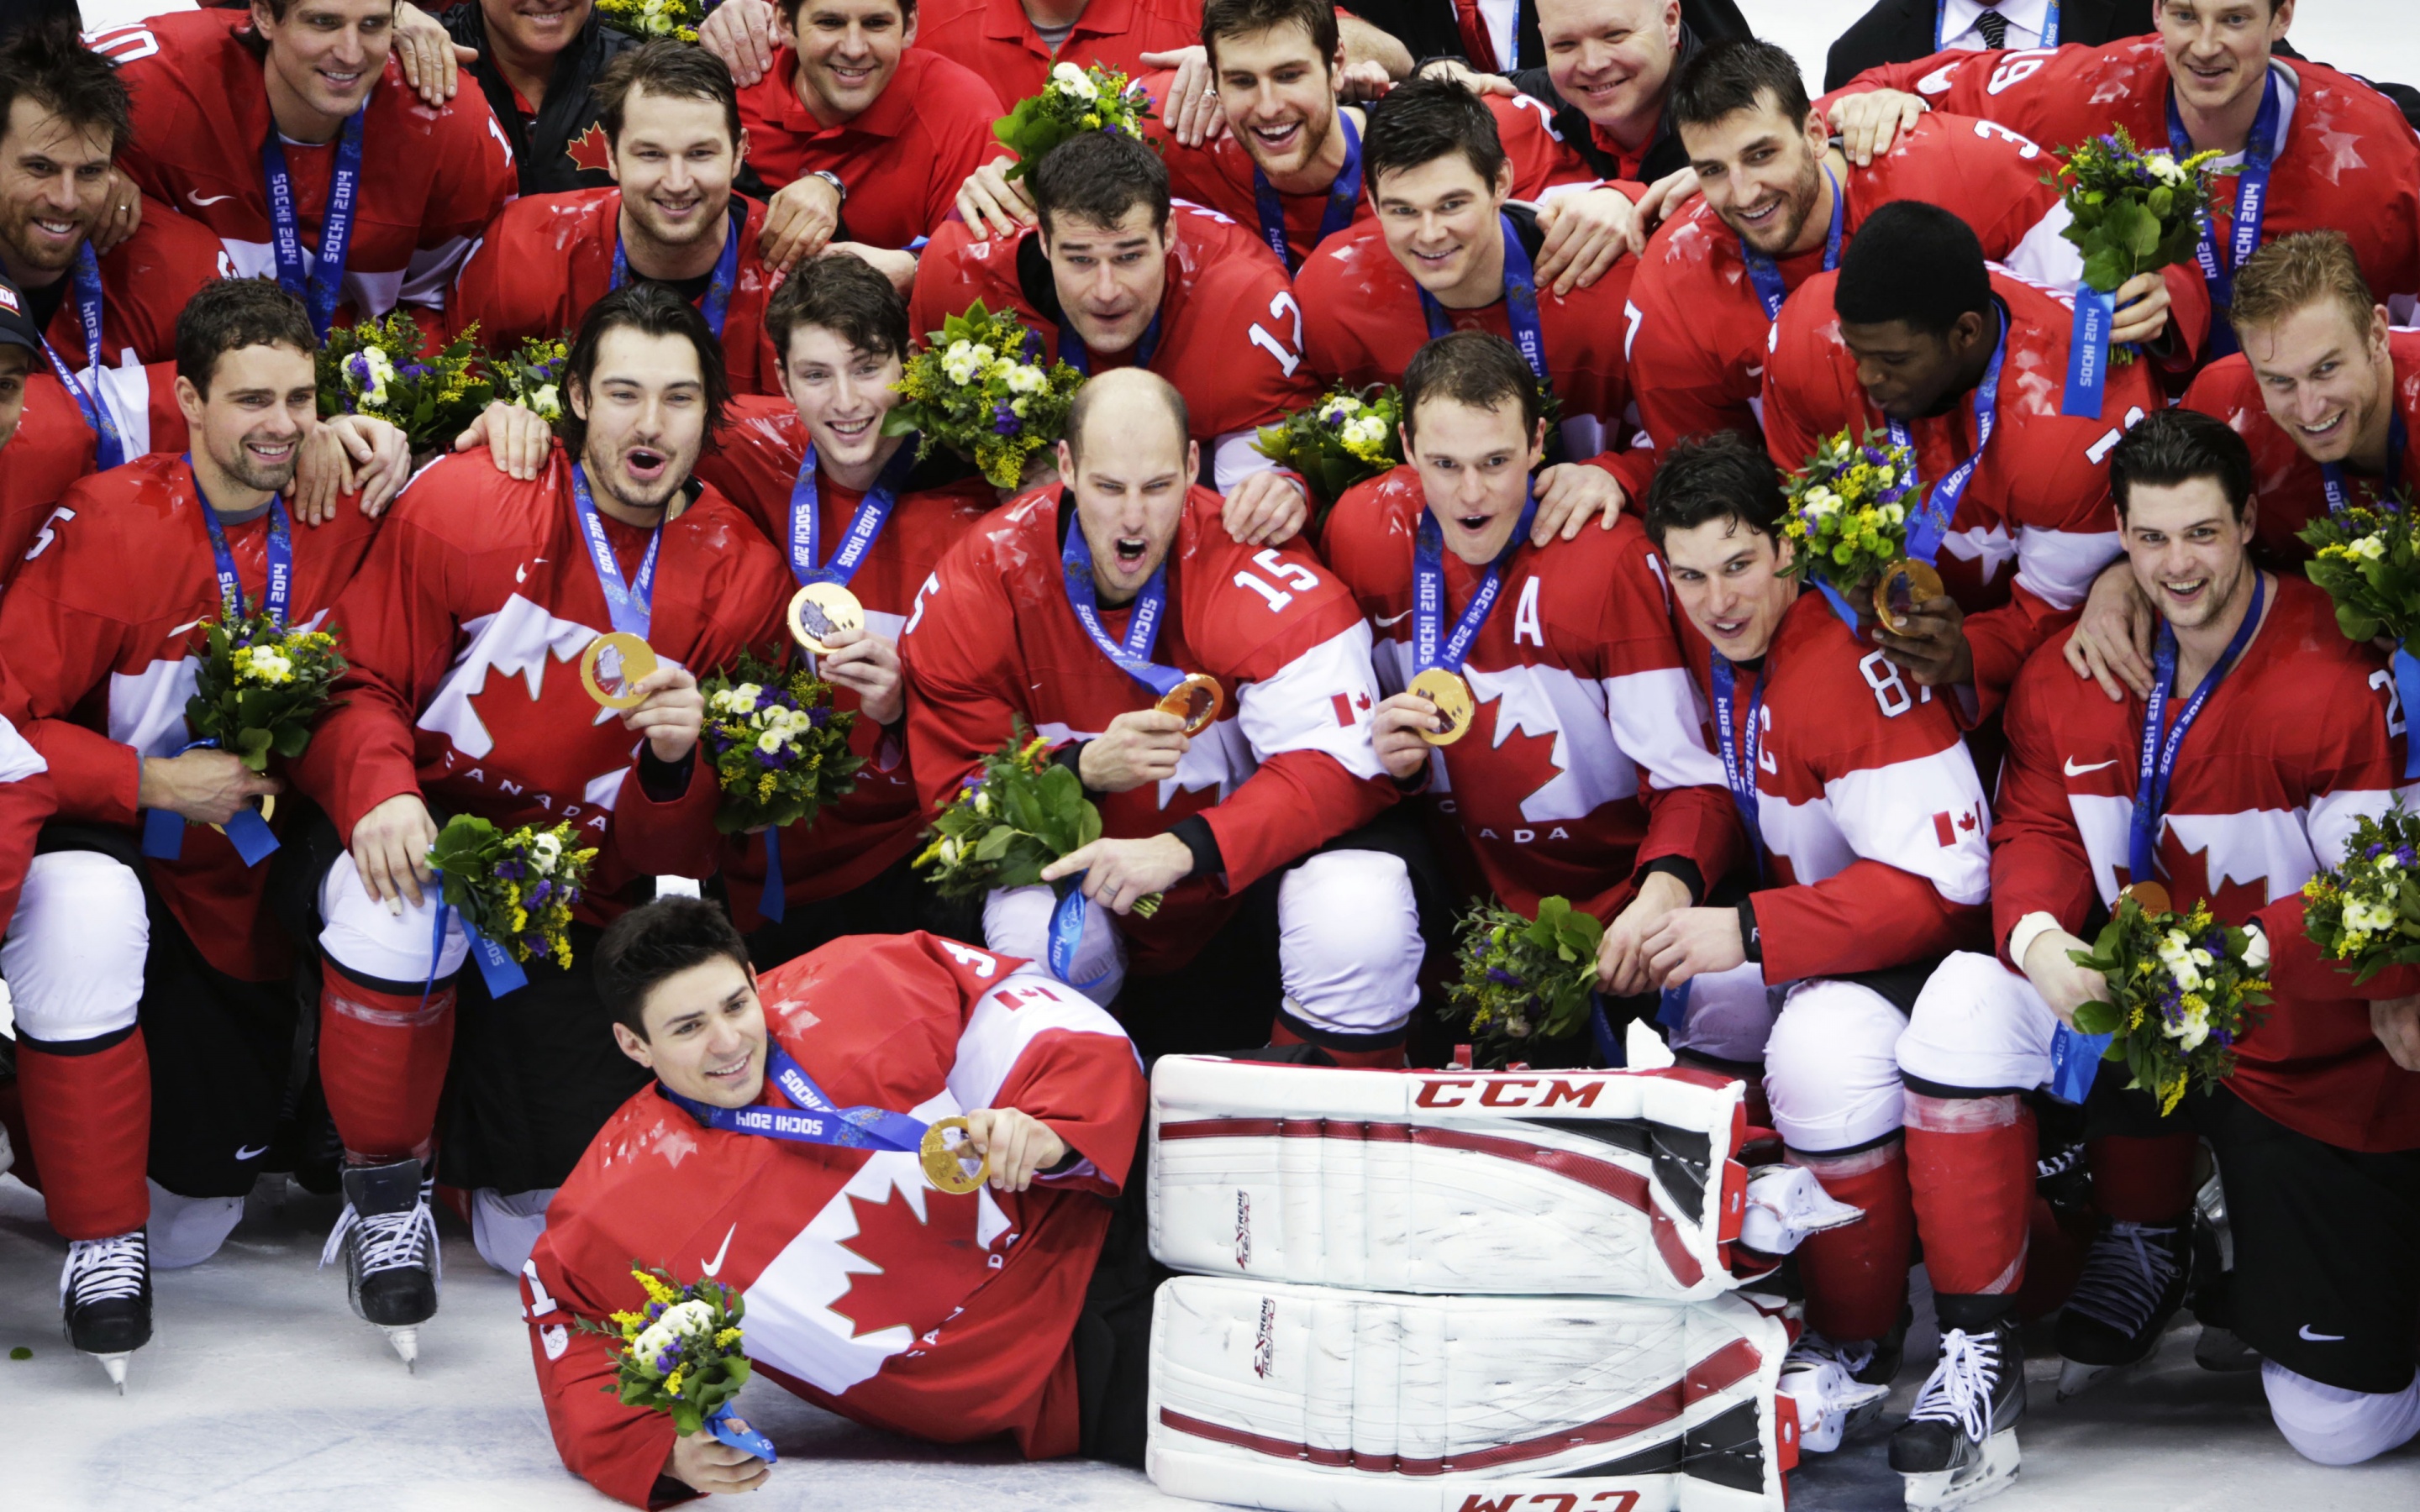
[
  {"x": 1900, "y": 31},
  {"x": 544, "y": 155}
]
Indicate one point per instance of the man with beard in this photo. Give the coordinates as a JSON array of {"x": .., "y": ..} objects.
[
  {"x": 466, "y": 631},
  {"x": 154, "y": 1011}
]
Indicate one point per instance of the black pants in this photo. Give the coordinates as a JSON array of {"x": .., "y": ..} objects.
[
  {"x": 895, "y": 900},
  {"x": 1112, "y": 1338}
]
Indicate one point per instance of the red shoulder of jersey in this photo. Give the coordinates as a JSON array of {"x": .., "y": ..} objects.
[
  {"x": 146, "y": 282},
  {"x": 1822, "y": 682}
]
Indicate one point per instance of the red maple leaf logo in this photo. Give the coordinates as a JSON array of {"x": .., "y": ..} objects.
[
  {"x": 589, "y": 150},
  {"x": 2230, "y": 903},
  {"x": 928, "y": 1267},
  {"x": 1517, "y": 769}
]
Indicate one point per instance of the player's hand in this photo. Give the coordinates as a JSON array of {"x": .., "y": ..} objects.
[
  {"x": 205, "y": 786},
  {"x": 1191, "y": 110},
  {"x": 897, "y": 266},
  {"x": 1364, "y": 82},
  {"x": 2142, "y": 315},
  {"x": 124, "y": 216},
  {"x": 1664, "y": 197},
  {"x": 349, "y": 453},
  {"x": 2112, "y": 640},
  {"x": 1266, "y": 508},
  {"x": 1693, "y": 941},
  {"x": 516, "y": 439},
  {"x": 1931, "y": 645},
  {"x": 740, "y": 33},
  {"x": 2063, "y": 984},
  {"x": 672, "y": 713},
  {"x": 1584, "y": 233},
  {"x": 699, "y": 1461},
  {"x": 324, "y": 472},
  {"x": 1016, "y": 1146},
  {"x": 1868, "y": 124},
  {"x": 2395, "y": 1021},
  {"x": 430, "y": 57},
  {"x": 1622, "y": 959},
  {"x": 992, "y": 203},
  {"x": 800, "y": 219},
  {"x": 390, "y": 850},
  {"x": 868, "y": 663},
  {"x": 1469, "y": 78},
  {"x": 1139, "y": 745},
  {"x": 1395, "y": 728},
  {"x": 1120, "y": 873},
  {"x": 1570, "y": 494}
]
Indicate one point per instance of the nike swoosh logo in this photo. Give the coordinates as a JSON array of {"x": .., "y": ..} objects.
[
  {"x": 252, "y": 1152},
  {"x": 199, "y": 203},
  {"x": 714, "y": 1266},
  {"x": 1385, "y": 620},
  {"x": 2073, "y": 770},
  {"x": 2321, "y": 1339}
]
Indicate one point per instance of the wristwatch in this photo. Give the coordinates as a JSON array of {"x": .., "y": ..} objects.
[{"x": 833, "y": 179}]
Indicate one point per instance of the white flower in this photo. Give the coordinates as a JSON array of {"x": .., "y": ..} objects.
[
  {"x": 983, "y": 356},
  {"x": 1070, "y": 80},
  {"x": 1025, "y": 379},
  {"x": 1885, "y": 477},
  {"x": 950, "y": 849},
  {"x": 770, "y": 742},
  {"x": 544, "y": 852},
  {"x": 2193, "y": 1029},
  {"x": 960, "y": 372},
  {"x": 960, "y": 351},
  {"x": 2369, "y": 547},
  {"x": 270, "y": 666},
  {"x": 983, "y": 801},
  {"x": 686, "y": 1320},
  {"x": 381, "y": 368},
  {"x": 547, "y": 403}
]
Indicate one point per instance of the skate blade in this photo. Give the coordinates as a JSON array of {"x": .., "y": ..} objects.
[
  {"x": 115, "y": 1366},
  {"x": 406, "y": 1342},
  {"x": 1937, "y": 1490},
  {"x": 2218, "y": 1348},
  {"x": 2076, "y": 1377}
]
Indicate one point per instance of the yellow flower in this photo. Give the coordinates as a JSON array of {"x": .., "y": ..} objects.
[
  {"x": 673, "y": 1381},
  {"x": 657, "y": 1290},
  {"x": 725, "y": 1339}
]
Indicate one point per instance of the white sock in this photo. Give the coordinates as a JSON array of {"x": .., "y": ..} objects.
[
  {"x": 2332, "y": 1425},
  {"x": 506, "y": 1225},
  {"x": 187, "y": 1230}
]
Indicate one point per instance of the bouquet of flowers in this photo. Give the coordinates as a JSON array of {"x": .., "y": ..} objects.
[
  {"x": 1076, "y": 99},
  {"x": 981, "y": 389},
  {"x": 1848, "y": 510},
  {"x": 259, "y": 687},
  {"x": 530, "y": 376},
  {"x": 1523, "y": 979},
  {"x": 645, "y": 19},
  {"x": 1020, "y": 814},
  {"x": 780, "y": 748},
  {"x": 2366, "y": 556},
  {"x": 2180, "y": 995},
  {"x": 517, "y": 888},
  {"x": 2366, "y": 913},
  {"x": 375, "y": 369},
  {"x": 680, "y": 1355},
  {"x": 1348, "y": 436},
  {"x": 2131, "y": 211}
]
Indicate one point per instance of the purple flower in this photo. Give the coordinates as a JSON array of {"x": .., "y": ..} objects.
[
  {"x": 539, "y": 895},
  {"x": 1003, "y": 419},
  {"x": 1503, "y": 977},
  {"x": 820, "y": 716}
]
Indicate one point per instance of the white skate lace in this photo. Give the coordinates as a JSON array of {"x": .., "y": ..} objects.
[
  {"x": 1813, "y": 1349},
  {"x": 99, "y": 1269},
  {"x": 1959, "y": 1391},
  {"x": 2126, "y": 1277},
  {"x": 389, "y": 1241}
]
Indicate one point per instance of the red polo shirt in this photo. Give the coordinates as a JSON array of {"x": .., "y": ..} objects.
[
  {"x": 903, "y": 156},
  {"x": 996, "y": 40}
]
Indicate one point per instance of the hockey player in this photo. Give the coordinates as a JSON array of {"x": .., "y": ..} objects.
[
  {"x": 1113, "y": 274},
  {"x": 1578, "y": 763},
  {"x": 944, "y": 1315},
  {"x": 1073, "y": 609},
  {"x": 845, "y": 503},
  {"x": 362, "y": 197},
  {"x": 1868, "y": 822},
  {"x": 465, "y": 629},
  {"x": 672, "y": 121},
  {"x": 2307, "y": 148},
  {"x": 1917, "y": 335},
  {"x": 1780, "y": 204},
  {"x": 124, "y": 957},
  {"x": 1447, "y": 254},
  {"x": 2278, "y": 736}
]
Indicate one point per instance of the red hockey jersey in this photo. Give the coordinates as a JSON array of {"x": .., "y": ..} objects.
[
  {"x": 2289, "y": 485},
  {"x": 27, "y": 800},
  {"x": 547, "y": 257},
  {"x": 465, "y": 628},
  {"x": 53, "y": 446},
  {"x": 1363, "y": 323},
  {"x": 100, "y": 623},
  {"x": 1588, "y": 757},
  {"x": 869, "y": 1292},
  {"x": 2041, "y": 495},
  {"x": 1870, "y": 816},
  {"x": 1230, "y": 330},
  {"x": 1287, "y": 766},
  {"x": 1697, "y": 328},
  {"x": 145, "y": 284},
  {"x": 2296, "y": 744},
  {"x": 997, "y": 39},
  {"x": 854, "y": 840},
  {"x": 903, "y": 156},
  {"x": 430, "y": 178},
  {"x": 2345, "y": 158}
]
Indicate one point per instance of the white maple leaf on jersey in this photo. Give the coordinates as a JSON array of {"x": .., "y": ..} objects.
[
  {"x": 517, "y": 640},
  {"x": 1990, "y": 545}
]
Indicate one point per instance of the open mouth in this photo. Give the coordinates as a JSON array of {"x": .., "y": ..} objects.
[
  {"x": 678, "y": 209},
  {"x": 343, "y": 83},
  {"x": 849, "y": 430},
  {"x": 1131, "y": 549},
  {"x": 1728, "y": 630},
  {"x": 274, "y": 454},
  {"x": 2329, "y": 427},
  {"x": 1475, "y": 524},
  {"x": 645, "y": 464},
  {"x": 1278, "y": 140},
  {"x": 1437, "y": 262},
  {"x": 733, "y": 1074},
  {"x": 1764, "y": 215},
  {"x": 849, "y": 74},
  {"x": 2186, "y": 593}
]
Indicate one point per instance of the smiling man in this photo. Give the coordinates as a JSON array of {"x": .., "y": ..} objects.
[
  {"x": 465, "y": 630},
  {"x": 311, "y": 79},
  {"x": 1073, "y": 613},
  {"x": 960, "y": 1323}
]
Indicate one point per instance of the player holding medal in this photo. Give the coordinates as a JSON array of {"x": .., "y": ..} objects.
[{"x": 488, "y": 624}]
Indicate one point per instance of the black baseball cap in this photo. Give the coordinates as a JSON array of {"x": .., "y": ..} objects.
[{"x": 17, "y": 329}]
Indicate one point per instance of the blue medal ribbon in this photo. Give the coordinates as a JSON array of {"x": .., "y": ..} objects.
[
  {"x": 324, "y": 286},
  {"x": 1738, "y": 740},
  {"x": 2088, "y": 353},
  {"x": 109, "y": 450},
  {"x": 1610, "y": 1052},
  {"x": 873, "y": 512},
  {"x": 2075, "y": 1058},
  {"x": 629, "y": 607},
  {"x": 2339, "y": 488},
  {"x": 1941, "y": 25},
  {"x": 1765, "y": 274},
  {"x": 1932, "y": 519},
  {"x": 814, "y": 1119},
  {"x": 717, "y": 302},
  {"x": 1432, "y": 644},
  {"x": 1073, "y": 351},
  {"x": 725, "y": 1422},
  {"x": 2251, "y": 208},
  {"x": 1344, "y": 199},
  {"x": 497, "y": 967},
  {"x": 1520, "y": 306}
]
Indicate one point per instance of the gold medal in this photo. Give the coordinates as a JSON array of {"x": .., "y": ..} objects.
[
  {"x": 945, "y": 1163},
  {"x": 610, "y": 684},
  {"x": 268, "y": 806},
  {"x": 1903, "y": 590},
  {"x": 1452, "y": 696},
  {"x": 2148, "y": 896},
  {"x": 1196, "y": 701},
  {"x": 818, "y": 609}
]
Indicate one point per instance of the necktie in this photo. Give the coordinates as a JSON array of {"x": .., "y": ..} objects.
[{"x": 1994, "y": 27}]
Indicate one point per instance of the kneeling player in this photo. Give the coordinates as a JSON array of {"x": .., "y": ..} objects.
[
  {"x": 1072, "y": 609},
  {"x": 946, "y": 1315},
  {"x": 1867, "y": 821}
]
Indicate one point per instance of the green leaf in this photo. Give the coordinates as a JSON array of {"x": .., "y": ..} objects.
[
  {"x": 2134, "y": 228},
  {"x": 2106, "y": 268},
  {"x": 2098, "y": 1018}
]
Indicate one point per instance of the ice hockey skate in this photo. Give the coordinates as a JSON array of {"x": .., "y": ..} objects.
[
  {"x": 1959, "y": 1443},
  {"x": 1820, "y": 1378},
  {"x": 105, "y": 1299},
  {"x": 2135, "y": 1279},
  {"x": 388, "y": 1238}
]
